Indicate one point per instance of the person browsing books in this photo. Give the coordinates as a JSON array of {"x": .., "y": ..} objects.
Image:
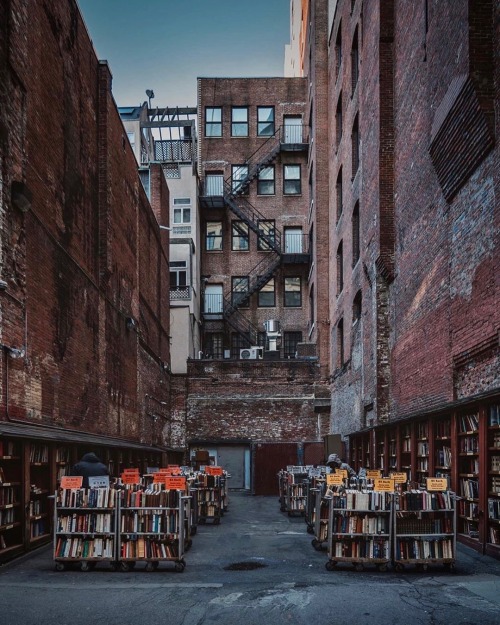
[
  {"x": 89, "y": 466},
  {"x": 334, "y": 462}
]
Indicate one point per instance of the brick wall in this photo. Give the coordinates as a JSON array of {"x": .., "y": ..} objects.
[{"x": 88, "y": 254}]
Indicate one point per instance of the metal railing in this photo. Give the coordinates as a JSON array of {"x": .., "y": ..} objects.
[
  {"x": 295, "y": 244},
  {"x": 213, "y": 304},
  {"x": 214, "y": 186},
  {"x": 180, "y": 293}
]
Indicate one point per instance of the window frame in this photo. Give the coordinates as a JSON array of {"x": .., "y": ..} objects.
[
  {"x": 262, "y": 245},
  {"x": 216, "y": 237},
  {"x": 241, "y": 189},
  {"x": 287, "y": 343},
  {"x": 212, "y": 122},
  {"x": 235, "y": 282},
  {"x": 273, "y": 292},
  {"x": 234, "y": 224},
  {"x": 209, "y": 341},
  {"x": 263, "y": 181},
  {"x": 289, "y": 291},
  {"x": 239, "y": 124},
  {"x": 260, "y": 122},
  {"x": 178, "y": 270},
  {"x": 292, "y": 180}
]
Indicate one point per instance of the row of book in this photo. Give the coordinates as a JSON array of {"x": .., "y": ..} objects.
[
  {"x": 469, "y": 488},
  {"x": 422, "y": 525},
  {"x": 211, "y": 481},
  {"x": 154, "y": 496},
  {"x": 38, "y": 528},
  {"x": 8, "y": 496},
  {"x": 143, "y": 521},
  {"x": 373, "y": 548},
  {"x": 468, "y": 509},
  {"x": 39, "y": 454},
  {"x": 86, "y": 498},
  {"x": 495, "y": 463},
  {"x": 494, "y": 416},
  {"x": 494, "y": 509},
  {"x": 7, "y": 516},
  {"x": 145, "y": 547},
  {"x": 357, "y": 500},
  {"x": 424, "y": 500},
  {"x": 210, "y": 509},
  {"x": 469, "y": 423},
  {"x": 37, "y": 506},
  {"x": 443, "y": 457},
  {"x": 495, "y": 485},
  {"x": 469, "y": 445},
  {"x": 345, "y": 523},
  {"x": 8, "y": 448},
  {"x": 84, "y": 548},
  {"x": 418, "y": 549},
  {"x": 89, "y": 523}
]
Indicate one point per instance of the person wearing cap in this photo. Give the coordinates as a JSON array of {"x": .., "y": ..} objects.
[{"x": 334, "y": 462}]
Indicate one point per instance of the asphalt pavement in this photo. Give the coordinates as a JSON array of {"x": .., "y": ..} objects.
[{"x": 258, "y": 568}]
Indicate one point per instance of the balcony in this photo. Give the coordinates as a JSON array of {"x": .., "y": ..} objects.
[
  {"x": 173, "y": 151},
  {"x": 296, "y": 250},
  {"x": 292, "y": 138},
  {"x": 180, "y": 293},
  {"x": 212, "y": 191},
  {"x": 213, "y": 306}
]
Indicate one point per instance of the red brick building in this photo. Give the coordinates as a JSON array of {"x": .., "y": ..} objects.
[{"x": 84, "y": 269}]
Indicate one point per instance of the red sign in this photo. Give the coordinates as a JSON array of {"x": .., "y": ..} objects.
[
  {"x": 213, "y": 470},
  {"x": 131, "y": 478},
  {"x": 175, "y": 483},
  {"x": 68, "y": 481}
]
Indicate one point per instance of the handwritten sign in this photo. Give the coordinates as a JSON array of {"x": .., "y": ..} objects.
[
  {"x": 437, "y": 483},
  {"x": 334, "y": 479},
  {"x": 101, "y": 481},
  {"x": 69, "y": 481},
  {"x": 384, "y": 485},
  {"x": 373, "y": 474},
  {"x": 342, "y": 472},
  {"x": 175, "y": 483},
  {"x": 399, "y": 478},
  {"x": 213, "y": 470}
]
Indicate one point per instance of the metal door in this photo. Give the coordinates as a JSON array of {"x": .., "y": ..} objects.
[
  {"x": 232, "y": 459},
  {"x": 268, "y": 459}
]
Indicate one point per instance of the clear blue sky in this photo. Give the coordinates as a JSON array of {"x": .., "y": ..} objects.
[{"x": 165, "y": 45}]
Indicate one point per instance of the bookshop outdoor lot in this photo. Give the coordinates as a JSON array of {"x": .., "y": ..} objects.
[{"x": 257, "y": 566}]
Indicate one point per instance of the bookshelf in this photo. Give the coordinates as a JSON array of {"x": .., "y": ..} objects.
[
  {"x": 468, "y": 475},
  {"x": 84, "y": 527},
  {"x": 422, "y": 468},
  {"x": 39, "y": 486},
  {"x": 424, "y": 529},
  {"x": 443, "y": 448},
  {"x": 393, "y": 449},
  {"x": 209, "y": 493},
  {"x": 320, "y": 516},
  {"x": 406, "y": 437},
  {"x": 380, "y": 445},
  {"x": 296, "y": 494},
  {"x": 493, "y": 480},
  {"x": 151, "y": 526},
  {"x": 359, "y": 529},
  {"x": 11, "y": 499},
  {"x": 63, "y": 463}
]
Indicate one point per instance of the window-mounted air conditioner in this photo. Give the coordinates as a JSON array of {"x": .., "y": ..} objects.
[{"x": 251, "y": 353}]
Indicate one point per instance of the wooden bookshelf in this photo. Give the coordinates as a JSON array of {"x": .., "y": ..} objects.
[
  {"x": 11, "y": 499},
  {"x": 468, "y": 476},
  {"x": 422, "y": 462},
  {"x": 493, "y": 481},
  {"x": 393, "y": 449},
  {"x": 381, "y": 448},
  {"x": 442, "y": 448},
  {"x": 38, "y": 489},
  {"x": 406, "y": 449}
]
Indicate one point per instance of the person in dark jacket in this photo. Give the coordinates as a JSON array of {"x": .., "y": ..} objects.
[{"x": 89, "y": 466}]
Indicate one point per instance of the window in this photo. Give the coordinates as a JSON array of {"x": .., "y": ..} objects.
[
  {"x": 239, "y": 121},
  {"x": 356, "y": 308},
  {"x": 266, "y": 235},
  {"x": 240, "y": 236},
  {"x": 338, "y": 121},
  {"x": 214, "y": 345},
  {"x": 213, "y": 121},
  {"x": 267, "y": 294},
  {"x": 265, "y": 181},
  {"x": 182, "y": 215},
  {"x": 340, "y": 343},
  {"x": 311, "y": 307},
  {"x": 291, "y": 180},
  {"x": 131, "y": 139},
  {"x": 292, "y": 132},
  {"x": 293, "y": 292},
  {"x": 178, "y": 273},
  {"x": 214, "y": 236},
  {"x": 355, "y": 146},
  {"x": 354, "y": 62},
  {"x": 265, "y": 121},
  {"x": 239, "y": 173},
  {"x": 340, "y": 268},
  {"x": 338, "y": 188},
  {"x": 238, "y": 342},
  {"x": 355, "y": 234},
  {"x": 239, "y": 288},
  {"x": 290, "y": 340}
]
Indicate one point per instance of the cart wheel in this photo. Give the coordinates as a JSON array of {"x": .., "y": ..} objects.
[
  {"x": 382, "y": 567},
  {"x": 314, "y": 543},
  {"x": 125, "y": 567},
  {"x": 85, "y": 566},
  {"x": 150, "y": 567},
  {"x": 358, "y": 566},
  {"x": 330, "y": 565},
  {"x": 180, "y": 566},
  {"x": 399, "y": 567},
  {"x": 310, "y": 530},
  {"x": 60, "y": 566}
]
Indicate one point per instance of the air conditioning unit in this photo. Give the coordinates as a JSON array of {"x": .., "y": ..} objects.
[{"x": 251, "y": 353}]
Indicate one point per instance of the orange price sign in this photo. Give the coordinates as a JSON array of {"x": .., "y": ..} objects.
[
  {"x": 159, "y": 478},
  {"x": 342, "y": 472},
  {"x": 175, "y": 483},
  {"x": 437, "y": 483},
  {"x": 384, "y": 485},
  {"x": 69, "y": 481},
  {"x": 334, "y": 479},
  {"x": 130, "y": 470},
  {"x": 213, "y": 470},
  {"x": 131, "y": 478},
  {"x": 373, "y": 474}
]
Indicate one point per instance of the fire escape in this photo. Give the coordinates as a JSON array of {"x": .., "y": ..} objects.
[{"x": 231, "y": 193}]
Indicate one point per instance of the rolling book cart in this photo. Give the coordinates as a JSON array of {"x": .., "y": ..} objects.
[
  {"x": 84, "y": 527},
  {"x": 282, "y": 484},
  {"x": 315, "y": 481},
  {"x": 296, "y": 492},
  {"x": 322, "y": 496},
  {"x": 209, "y": 488},
  {"x": 424, "y": 529},
  {"x": 151, "y": 526},
  {"x": 359, "y": 524}
]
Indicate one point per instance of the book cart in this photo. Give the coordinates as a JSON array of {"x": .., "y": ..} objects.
[
  {"x": 322, "y": 496},
  {"x": 282, "y": 483},
  {"x": 359, "y": 529},
  {"x": 316, "y": 477},
  {"x": 209, "y": 495},
  {"x": 425, "y": 527},
  {"x": 296, "y": 491},
  {"x": 84, "y": 526},
  {"x": 151, "y": 525}
]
